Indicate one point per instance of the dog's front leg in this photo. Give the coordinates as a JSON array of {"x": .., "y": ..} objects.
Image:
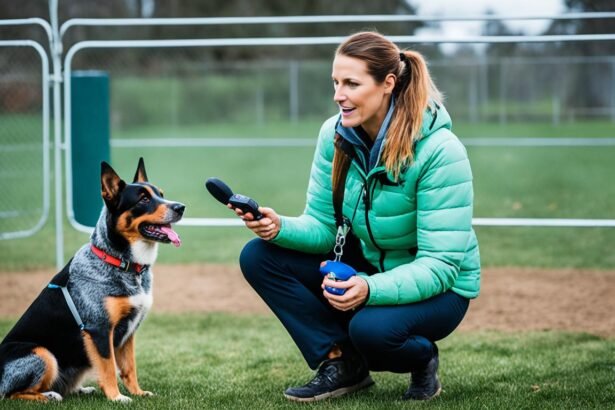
[
  {"x": 125, "y": 356},
  {"x": 99, "y": 349}
]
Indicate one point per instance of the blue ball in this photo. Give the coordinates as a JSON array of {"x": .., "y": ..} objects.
[{"x": 337, "y": 271}]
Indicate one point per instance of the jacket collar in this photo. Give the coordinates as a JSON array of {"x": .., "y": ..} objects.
[
  {"x": 369, "y": 158},
  {"x": 435, "y": 117}
]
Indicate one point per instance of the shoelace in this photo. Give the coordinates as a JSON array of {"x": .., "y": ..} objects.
[{"x": 323, "y": 373}]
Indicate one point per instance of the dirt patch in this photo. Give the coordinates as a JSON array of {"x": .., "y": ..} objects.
[{"x": 512, "y": 299}]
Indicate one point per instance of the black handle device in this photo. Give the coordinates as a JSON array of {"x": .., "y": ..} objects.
[{"x": 224, "y": 194}]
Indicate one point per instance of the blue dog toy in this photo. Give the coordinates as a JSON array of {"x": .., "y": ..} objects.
[{"x": 338, "y": 271}]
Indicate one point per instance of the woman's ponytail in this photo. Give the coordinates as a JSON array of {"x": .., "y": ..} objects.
[{"x": 413, "y": 92}]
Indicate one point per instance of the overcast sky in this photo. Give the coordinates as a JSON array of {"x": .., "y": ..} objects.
[
  {"x": 499, "y": 7},
  {"x": 480, "y": 7}
]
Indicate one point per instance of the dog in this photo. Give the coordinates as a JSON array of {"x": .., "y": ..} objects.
[{"x": 86, "y": 318}]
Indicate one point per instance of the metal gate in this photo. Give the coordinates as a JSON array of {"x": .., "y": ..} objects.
[{"x": 24, "y": 140}]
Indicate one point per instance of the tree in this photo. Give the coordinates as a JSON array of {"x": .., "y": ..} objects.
[{"x": 587, "y": 88}]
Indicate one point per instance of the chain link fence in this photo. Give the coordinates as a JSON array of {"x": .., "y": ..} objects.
[
  {"x": 21, "y": 140},
  {"x": 168, "y": 89}
]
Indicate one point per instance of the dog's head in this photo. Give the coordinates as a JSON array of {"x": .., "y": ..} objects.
[{"x": 138, "y": 212}]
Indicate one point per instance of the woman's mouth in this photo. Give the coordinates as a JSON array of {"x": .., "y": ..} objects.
[{"x": 347, "y": 111}]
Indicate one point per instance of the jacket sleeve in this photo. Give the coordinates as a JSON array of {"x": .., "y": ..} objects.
[
  {"x": 314, "y": 230},
  {"x": 444, "y": 227}
]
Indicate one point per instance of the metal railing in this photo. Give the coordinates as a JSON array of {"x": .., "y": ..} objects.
[
  {"x": 219, "y": 21},
  {"x": 45, "y": 172},
  {"x": 62, "y": 145},
  {"x": 285, "y": 41}
]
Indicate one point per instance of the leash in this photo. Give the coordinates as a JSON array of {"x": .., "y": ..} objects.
[
  {"x": 70, "y": 303},
  {"x": 123, "y": 264}
]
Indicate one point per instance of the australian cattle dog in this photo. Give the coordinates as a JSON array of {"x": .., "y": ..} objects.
[{"x": 86, "y": 318}]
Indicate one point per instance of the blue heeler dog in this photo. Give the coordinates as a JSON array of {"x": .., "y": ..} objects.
[{"x": 87, "y": 317}]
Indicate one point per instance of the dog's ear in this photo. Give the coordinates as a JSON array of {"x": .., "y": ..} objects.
[
  {"x": 111, "y": 184},
  {"x": 140, "y": 175}
]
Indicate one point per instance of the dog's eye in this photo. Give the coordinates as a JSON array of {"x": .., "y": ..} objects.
[{"x": 144, "y": 200}]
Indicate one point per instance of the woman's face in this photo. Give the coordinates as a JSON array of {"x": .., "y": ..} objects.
[{"x": 361, "y": 100}]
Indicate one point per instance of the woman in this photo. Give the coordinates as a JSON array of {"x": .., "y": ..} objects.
[{"x": 408, "y": 197}]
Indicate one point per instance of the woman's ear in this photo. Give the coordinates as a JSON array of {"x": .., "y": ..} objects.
[{"x": 389, "y": 83}]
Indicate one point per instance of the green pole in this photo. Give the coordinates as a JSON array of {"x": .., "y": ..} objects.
[{"x": 90, "y": 127}]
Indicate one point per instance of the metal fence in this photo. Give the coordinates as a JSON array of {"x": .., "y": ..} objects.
[
  {"x": 261, "y": 91},
  {"x": 292, "y": 90},
  {"x": 282, "y": 42},
  {"x": 24, "y": 139}
]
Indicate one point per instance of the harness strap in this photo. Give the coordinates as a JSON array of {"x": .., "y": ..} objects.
[
  {"x": 341, "y": 161},
  {"x": 70, "y": 303}
]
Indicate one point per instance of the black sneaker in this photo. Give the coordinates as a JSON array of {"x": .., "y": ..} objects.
[
  {"x": 424, "y": 384},
  {"x": 334, "y": 377}
]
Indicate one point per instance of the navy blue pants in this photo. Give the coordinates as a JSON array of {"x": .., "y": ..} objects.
[{"x": 396, "y": 338}]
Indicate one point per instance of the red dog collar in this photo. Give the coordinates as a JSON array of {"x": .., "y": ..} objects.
[{"x": 123, "y": 264}]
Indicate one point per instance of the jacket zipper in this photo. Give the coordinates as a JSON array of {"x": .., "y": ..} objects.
[{"x": 367, "y": 201}]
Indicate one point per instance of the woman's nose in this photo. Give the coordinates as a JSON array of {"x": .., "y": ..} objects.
[{"x": 338, "y": 95}]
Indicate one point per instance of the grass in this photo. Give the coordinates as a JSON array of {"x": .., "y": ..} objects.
[
  {"x": 532, "y": 247},
  {"x": 245, "y": 362},
  {"x": 519, "y": 182},
  {"x": 523, "y": 182},
  {"x": 308, "y": 128}
]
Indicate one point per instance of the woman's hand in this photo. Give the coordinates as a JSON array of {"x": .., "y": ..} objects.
[
  {"x": 267, "y": 227},
  {"x": 357, "y": 290}
]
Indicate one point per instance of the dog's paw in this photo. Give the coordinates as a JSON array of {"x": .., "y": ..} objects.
[
  {"x": 122, "y": 399},
  {"x": 146, "y": 393},
  {"x": 52, "y": 396},
  {"x": 86, "y": 390}
]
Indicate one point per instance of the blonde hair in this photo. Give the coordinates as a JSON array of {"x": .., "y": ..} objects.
[{"x": 414, "y": 91}]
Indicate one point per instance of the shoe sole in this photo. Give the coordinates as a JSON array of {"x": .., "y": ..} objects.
[
  {"x": 436, "y": 394},
  {"x": 335, "y": 393},
  {"x": 433, "y": 396}
]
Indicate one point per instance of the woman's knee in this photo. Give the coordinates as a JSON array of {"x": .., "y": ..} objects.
[
  {"x": 367, "y": 333},
  {"x": 251, "y": 258}
]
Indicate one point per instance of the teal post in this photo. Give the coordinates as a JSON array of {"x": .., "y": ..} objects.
[{"x": 90, "y": 126}]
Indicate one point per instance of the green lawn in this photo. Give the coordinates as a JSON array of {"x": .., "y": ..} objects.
[
  {"x": 308, "y": 128},
  {"x": 523, "y": 182},
  {"x": 245, "y": 362},
  {"x": 236, "y": 362}
]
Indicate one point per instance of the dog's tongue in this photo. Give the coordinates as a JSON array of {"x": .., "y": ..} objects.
[{"x": 173, "y": 236}]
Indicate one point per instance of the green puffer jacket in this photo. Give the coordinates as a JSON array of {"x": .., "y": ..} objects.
[{"x": 418, "y": 233}]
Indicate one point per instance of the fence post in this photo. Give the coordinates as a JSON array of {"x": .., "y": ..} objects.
[
  {"x": 612, "y": 89},
  {"x": 293, "y": 86},
  {"x": 90, "y": 141},
  {"x": 503, "y": 63},
  {"x": 473, "y": 94},
  {"x": 483, "y": 99}
]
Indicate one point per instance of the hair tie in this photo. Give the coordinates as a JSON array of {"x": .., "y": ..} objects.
[{"x": 404, "y": 77}]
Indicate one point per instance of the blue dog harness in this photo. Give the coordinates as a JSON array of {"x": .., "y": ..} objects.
[{"x": 70, "y": 303}]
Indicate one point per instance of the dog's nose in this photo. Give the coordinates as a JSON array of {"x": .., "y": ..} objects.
[{"x": 178, "y": 208}]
